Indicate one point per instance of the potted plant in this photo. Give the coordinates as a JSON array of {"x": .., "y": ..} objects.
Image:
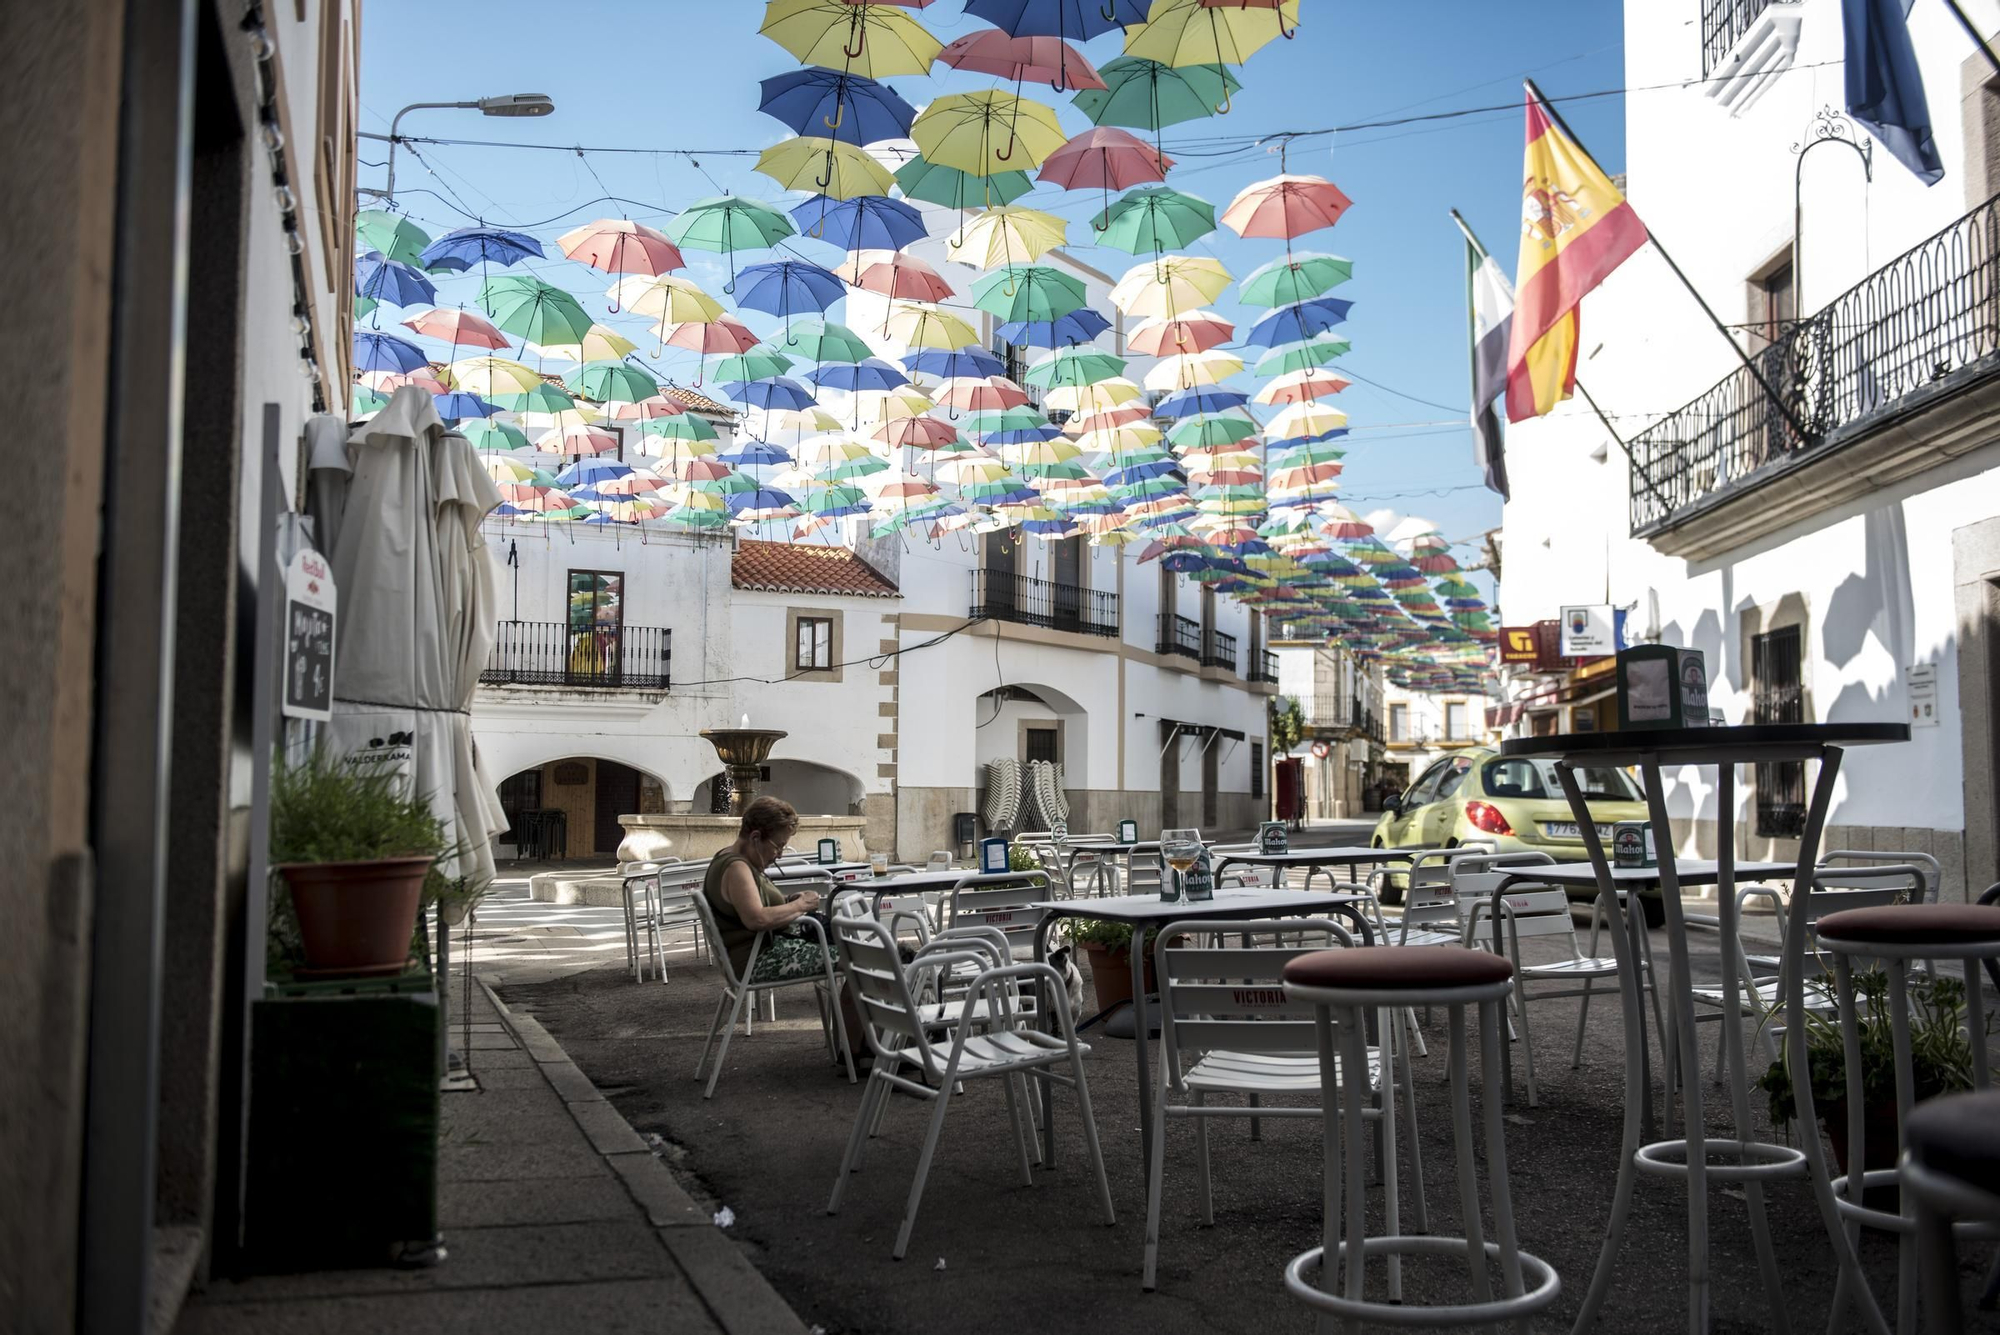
[
  {"x": 1940, "y": 1060},
  {"x": 357, "y": 853},
  {"x": 1109, "y": 946}
]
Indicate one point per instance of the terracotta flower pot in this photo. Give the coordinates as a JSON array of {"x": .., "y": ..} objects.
[
  {"x": 1111, "y": 973},
  {"x": 356, "y": 918}
]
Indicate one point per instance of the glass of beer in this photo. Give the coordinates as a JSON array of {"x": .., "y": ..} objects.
[{"x": 1181, "y": 849}]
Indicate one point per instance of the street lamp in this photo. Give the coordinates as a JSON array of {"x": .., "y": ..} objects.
[{"x": 502, "y": 104}]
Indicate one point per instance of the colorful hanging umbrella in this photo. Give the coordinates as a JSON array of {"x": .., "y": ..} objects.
[
  {"x": 1074, "y": 366},
  {"x": 1301, "y": 386},
  {"x": 577, "y": 440},
  {"x": 952, "y": 188},
  {"x": 729, "y": 223},
  {"x": 776, "y": 392},
  {"x": 922, "y": 433},
  {"x": 598, "y": 345},
  {"x": 1079, "y": 326},
  {"x": 757, "y": 363},
  {"x": 870, "y": 373},
  {"x": 396, "y": 237},
  {"x": 1166, "y": 286},
  {"x": 1036, "y": 292},
  {"x": 542, "y": 398},
  {"x": 1073, "y": 20},
  {"x": 526, "y": 306},
  {"x": 1154, "y": 219},
  {"x": 1004, "y": 235},
  {"x": 672, "y": 299},
  {"x": 787, "y": 287},
  {"x": 969, "y": 361},
  {"x": 1285, "y": 207},
  {"x": 456, "y": 406},
  {"x": 455, "y": 252},
  {"x": 1094, "y": 398},
  {"x": 837, "y": 104},
  {"x": 1105, "y": 158},
  {"x": 494, "y": 436},
  {"x": 867, "y": 223},
  {"x": 818, "y": 340},
  {"x": 393, "y": 281},
  {"x": 1301, "y": 320},
  {"x": 460, "y": 328},
  {"x": 1194, "y": 402},
  {"x": 620, "y": 246},
  {"x": 986, "y": 132},
  {"x": 993, "y": 393},
  {"x": 1193, "y": 32},
  {"x": 1029, "y": 59},
  {"x": 683, "y": 428},
  {"x": 374, "y": 351},
  {"x": 1147, "y": 95},
  {"x": 1188, "y": 369},
  {"x": 867, "y": 39},
  {"x": 893, "y": 274},
  {"x": 707, "y": 337},
  {"x": 1192, "y": 331},
  {"x": 916, "y": 326},
  {"x": 618, "y": 381},
  {"x": 1317, "y": 351},
  {"x": 826, "y": 167},
  {"x": 1294, "y": 278},
  {"x": 491, "y": 376}
]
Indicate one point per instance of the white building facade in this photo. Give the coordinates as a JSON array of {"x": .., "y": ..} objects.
[{"x": 1834, "y": 551}]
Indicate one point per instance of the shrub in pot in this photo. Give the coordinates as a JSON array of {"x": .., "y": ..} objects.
[
  {"x": 1109, "y": 946},
  {"x": 357, "y": 852}
]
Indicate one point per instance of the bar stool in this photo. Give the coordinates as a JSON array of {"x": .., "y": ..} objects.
[
  {"x": 1342, "y": 986},
  {"x": 1895, "y": 934},
  {"x": 1951, "y": 1170}
]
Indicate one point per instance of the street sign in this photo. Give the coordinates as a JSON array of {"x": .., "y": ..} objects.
[
  {"x": 1588, "y": 631},
  {"x": 1921, "y": 683},
  {"x": 310, "y": 600}
]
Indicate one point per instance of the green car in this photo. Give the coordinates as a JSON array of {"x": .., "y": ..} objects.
[{"x": 1512, "y": 803}]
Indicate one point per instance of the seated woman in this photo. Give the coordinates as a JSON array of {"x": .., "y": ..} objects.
[{"x": 745, "y": 902}]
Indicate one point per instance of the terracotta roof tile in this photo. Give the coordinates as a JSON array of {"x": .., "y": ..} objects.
[
  {"x": 787, "y": 567},
  {"x": 698, "y": 403}
]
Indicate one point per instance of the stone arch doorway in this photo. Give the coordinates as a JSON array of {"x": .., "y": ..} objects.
[
  {"x": 1028, "y": 721},
  {"x": 568, "y": 809}
]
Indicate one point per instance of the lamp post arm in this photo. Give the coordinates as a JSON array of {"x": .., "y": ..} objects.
[{"x": 390, "y": 193}]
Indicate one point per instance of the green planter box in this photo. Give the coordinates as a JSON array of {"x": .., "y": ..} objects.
[{"x": 343, "y": 1123}]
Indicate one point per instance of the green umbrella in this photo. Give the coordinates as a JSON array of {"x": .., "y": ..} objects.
[
  {"x": 826, "y": 341},
  {"x": 1210, "y": 430},
  {"x": 727, "y": 224},
  {"x": 364, "y": 305},
  {"x": 1146, "y": 95},
  {"x": 687, "y": 517},
  {"x": 1294, "y": 278},
  {"x": 367, "y": 401},
  {"x": 1300, "y": 456},
  {"x": 860, "y": 465},
  {"x": 1155, "y": 219},
  {"x": 491, "y": 435},
  {"x": 539, "y": 312},
  {"x": 677, "y": 426},
  {"x": 955, "y": 189},
  {"x": 759, "y": 363},
  {"x": 543, "y": 398},
  {"x": 1033, "y": 293},
  {"x": 839, "y": 496},
  {"x": 395, "y": 236},
  {"x": 1074, "y": 366},
  {"x": 619, "y": 382},
  {"x": 1019, "y": 418},
  {"x": 1317, "y": 351}
]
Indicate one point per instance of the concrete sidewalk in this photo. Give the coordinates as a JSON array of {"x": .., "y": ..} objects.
[{"x": 556, "y": 1216}]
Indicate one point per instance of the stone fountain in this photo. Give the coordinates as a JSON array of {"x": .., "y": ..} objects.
[{"x": 742, "y": 750}]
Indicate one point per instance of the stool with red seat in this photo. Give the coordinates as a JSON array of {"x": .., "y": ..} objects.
[
  {"x": 1343, "y": 986},
  {"x": 1889, "y": 937}
]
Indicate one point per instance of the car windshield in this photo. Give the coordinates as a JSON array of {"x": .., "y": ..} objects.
[{"x": 1537, "y": 778}]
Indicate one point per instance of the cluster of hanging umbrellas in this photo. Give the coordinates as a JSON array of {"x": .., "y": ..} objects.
[{"x": 1229, "y": 482}]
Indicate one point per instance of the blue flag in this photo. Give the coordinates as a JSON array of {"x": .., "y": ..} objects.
[{"x": 1885, "y": 90}]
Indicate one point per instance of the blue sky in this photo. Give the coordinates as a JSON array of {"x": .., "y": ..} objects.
[{"x": 684, "y": 76}]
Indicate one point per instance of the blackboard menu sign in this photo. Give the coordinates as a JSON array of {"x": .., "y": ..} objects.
[{"x": 309, "y": 621}]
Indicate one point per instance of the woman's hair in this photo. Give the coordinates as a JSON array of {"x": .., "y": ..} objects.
[{"x": 772, "y": 817}]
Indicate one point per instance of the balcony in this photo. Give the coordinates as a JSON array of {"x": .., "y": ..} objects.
[
  {"x": 1723, "y": 24},
  {"x": 1221, "y": 652},
  {"x": 549, "y": 653},
  {"x": 1915, "y": 345},
  {"x": 1180, "y": 635},
  {"x": 1265, "y": 670},
  {"x": 1000, "y": 596}
]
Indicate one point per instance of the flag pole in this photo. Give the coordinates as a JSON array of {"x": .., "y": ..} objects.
[{"x": 1720, "y": 328}]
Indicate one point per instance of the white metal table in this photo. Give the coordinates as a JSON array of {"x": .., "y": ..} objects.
[
  {"x": 1724, "y": 748},
  {"x": 1318, "y": 859}
]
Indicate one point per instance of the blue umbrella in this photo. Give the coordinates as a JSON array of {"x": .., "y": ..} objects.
[
  {"x": 391, "y": 280},
  {"x": 833, "y": 104},
  {"x": 1071, "y": 20},
  {"x": 756, "y": 454},
  {"x": 1027, "y": 435},
  {"x": 1204, "y": 399},
  {"x": 763, "y": 498},
  {"x": 870, "y": 222},
  {"x": 457, "y": 406},
  {"x": 455, "y": 252},
  {"x": 1126, "y": 476},
  {"x": 375, "y": 351},
  {"x": 1079, "y": 326},
  {"x": 785, "y": 287},
  {"x": 1295, "y": 323},
  {"x": 974, "y": 362},
  {"x": 776, "y": 392},
  {"x": 872, "y": 374},
  {"x": 591, "y": 472}
]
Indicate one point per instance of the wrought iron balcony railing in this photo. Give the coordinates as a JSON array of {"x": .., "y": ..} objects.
[
  {"x": 550, "y": 653},
  {"x": 1180, "y": 635},
  {"x": 1221, "y": 652},
  {"x": 1001, "y": 596},
  {"x": 1265, "y": 668},
  {"x": 1723, "y": 23},
  {"x": 1932, "y": 310}
]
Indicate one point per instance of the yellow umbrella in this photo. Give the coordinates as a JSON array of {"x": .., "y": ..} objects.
[
  {"x": 1171, "y": 283},
  {"x": 598, "y": 345},
  {"x": 1040, "y": 452},
  {"x": 568, "y": 419},
  {"x": 1187, "y": 369},
  {"x": 868, "y": 39},
  {"x": 801, "y": 420},
  {"x": 824, "y": 167},
  {"x": 1304, "y": 419},
  {"x": 487, "y": 376},
  {"x": 1117, "y": 439},
  {"x": 673, "y": 300},
  {"x": 886, "y": 405},
  {"x": 1082, "y": 399},
  {"x": 1191, "y": 32},
  {"x": 833, "y": 448},
  {"x": 1005, "y": 235},
  {"x": 987, "y": 132},
  {"x": 915, "y": 325}
]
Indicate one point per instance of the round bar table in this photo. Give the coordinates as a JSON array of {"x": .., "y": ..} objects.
[{"x": 1724, "y": 748}]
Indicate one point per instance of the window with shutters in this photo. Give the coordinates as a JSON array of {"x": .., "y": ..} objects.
[{"x": 814, "y": 645}]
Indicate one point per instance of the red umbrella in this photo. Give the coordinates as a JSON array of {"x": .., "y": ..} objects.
[
  {"x": 893, "y": 274},
  {"x": 1105, "y": 158},
  {"x": 1196, "y": 331},
  {"x": 621, "y": 246},
  {"x": 977, "y": 395},
  {"x": 460, "y": 328},
  {"x": 1285, "y": 207},
  {"x": 722, "y": 334},
  {"x": 1123, "y": 415},
  {"x": 1302, "y": 386},
  {"x": 657, "y": 406},
  {"x": 1048, "y": 60},
  {"x": 577, "y": 440},
  {"x": 925, "y": 433}
]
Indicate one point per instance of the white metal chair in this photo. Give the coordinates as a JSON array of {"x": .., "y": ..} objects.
[
  {"x": 1003, "y": 908},
  {"x": 909, "y": 1058},
  {"x": 738, "y": 993},
  {"x": 1227, "y": 1028},
  {"x": 653, "y": 908}
]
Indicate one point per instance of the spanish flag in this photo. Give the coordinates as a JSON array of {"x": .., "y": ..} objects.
[{"x": 1575, "y": 229}]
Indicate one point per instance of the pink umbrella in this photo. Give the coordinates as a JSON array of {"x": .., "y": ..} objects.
[
  {"x": 1302, "y": 386},
  {"x": 1285, "y": 207},
  {"x": 460, "y": 328},
  {"x": 925, "y": 433},
  {"x": 1105, "y": 158},
  {"x": 621, "y": 246},
  {"x": 645, "y": 409},
  {"x": 577, "y": 440},
  {"x": 893, "y": 274},
  {"x": 388, "y": 382},
  {"x": 1123, "y": 415},
  {"x": 720, "y": 335},
  {"x": 1196, "y": 331},
  {"x": 980, "y": 395},
  {"x": 1048, "y": 60}
]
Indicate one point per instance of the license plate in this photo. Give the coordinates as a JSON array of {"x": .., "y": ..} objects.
[{"x": 1566, "y": 829}]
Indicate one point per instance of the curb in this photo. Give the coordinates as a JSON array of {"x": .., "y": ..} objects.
[{"x": 740, "y": 1299}]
